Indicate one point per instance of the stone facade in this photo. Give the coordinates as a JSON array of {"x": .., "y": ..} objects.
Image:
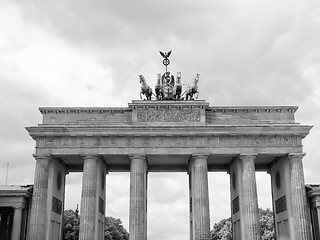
[
  {"x": 187, "y": 136},
  {"x": 313, "y": 194},
  {"x": 15, "y": 203}
]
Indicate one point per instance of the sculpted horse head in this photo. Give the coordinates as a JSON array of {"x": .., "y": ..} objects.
[
  {"x": 196, "y": 79},
  {"x": 142, "y": 80}
]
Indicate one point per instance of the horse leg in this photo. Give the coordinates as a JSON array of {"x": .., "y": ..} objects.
[
  {"x": 191, "y": 96},
  {"x": 149, "y": 94}
]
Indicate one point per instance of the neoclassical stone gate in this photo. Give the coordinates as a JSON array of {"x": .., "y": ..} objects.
[{"x": 187, "y": 136}]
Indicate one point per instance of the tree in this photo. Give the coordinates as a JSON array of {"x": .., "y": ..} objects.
[
  {"x": 223, "y": 229},
  {"x": 114, "y": 229},
  {"x": 266, "y": 224},
  {"x": 70, "y": 227}
]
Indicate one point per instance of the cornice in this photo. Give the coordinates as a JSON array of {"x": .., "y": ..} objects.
[
  {"x": 68, "y": 110},
  {"x": 152, "y": 104},
  {"x": 256, "y": 109},
  {"x": 42, "y": 131}
]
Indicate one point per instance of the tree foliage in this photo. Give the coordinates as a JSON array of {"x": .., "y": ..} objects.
[
  {"x": 70, "y": 227},
  {"x": 266, "y": 224},
  {"x": 223, "y": 229},
  {"x": 114, "y": 229}
]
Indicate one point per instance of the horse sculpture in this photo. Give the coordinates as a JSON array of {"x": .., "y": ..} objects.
[
  {"x": 145, "y": 89},
  {"x": 193, "y": 88}
]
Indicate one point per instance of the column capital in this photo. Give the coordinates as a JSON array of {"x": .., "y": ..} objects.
[
  {"x": 295, "y": 156},
  {"x": 247, "y": 156},
  {"x": 137, "y": 156},
  {"x": 202, "y": 156},
  {"x": 244, "y": 158},
  {"x": 18, "y": 207},
  {"x": 42, "y": 157},
  {"x": 89, "y": 156}
]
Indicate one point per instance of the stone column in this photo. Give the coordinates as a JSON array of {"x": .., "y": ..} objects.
[
  {"x": 249, "y": 199},
  {"x": 190, "y": 208},
  {"x": 316, "y": 224},
  {"x": 198, "y": 168},
  {"x": 138, "y": 198},
  {"x": 88, "y": 198},
  {"x": 298, "y": 196},
  {"x": 17, "y": 220},
  {"x": 38, "y": 216}
]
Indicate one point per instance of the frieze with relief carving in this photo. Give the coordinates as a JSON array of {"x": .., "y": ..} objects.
[
  {"x": 170, "y": 141},
  {"x": 171, "y": 115}
]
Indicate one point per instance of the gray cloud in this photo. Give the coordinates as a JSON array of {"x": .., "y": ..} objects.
[{"x": 89, "y": 53}]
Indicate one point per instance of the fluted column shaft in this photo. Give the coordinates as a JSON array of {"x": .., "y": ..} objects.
[
  {"x": 249, "y": 199},
  {"x": 318, "y": 225},
  {"x": 38, "y": 216},
  {"x": 138, "y": 198},
  {"x": 88, "y": 198},
  {"x": 199, "y": 197},
  {"x": 299, "y": 200},
  {"x": 17, "y": 219}
]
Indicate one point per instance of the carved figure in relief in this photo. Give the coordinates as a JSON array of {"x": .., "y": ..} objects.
[
  {"x": 145, "y": 89},
  {"x": 50, "y": 142},
  {"x": 193, "y": 88}
]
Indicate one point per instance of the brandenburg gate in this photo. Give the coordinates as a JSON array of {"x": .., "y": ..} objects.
[{"x": 159, "y": 136}]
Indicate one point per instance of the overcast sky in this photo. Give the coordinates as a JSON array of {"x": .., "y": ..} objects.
[{"x": 89, "y": 53}]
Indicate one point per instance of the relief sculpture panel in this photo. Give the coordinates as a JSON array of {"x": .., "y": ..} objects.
[{"x": 176, "y": 115}]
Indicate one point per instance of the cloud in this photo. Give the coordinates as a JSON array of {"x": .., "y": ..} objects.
[{"x": 90, "y": 53}]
